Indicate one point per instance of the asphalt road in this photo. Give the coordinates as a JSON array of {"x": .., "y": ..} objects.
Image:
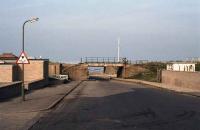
[{"x": 113, "y": 105}]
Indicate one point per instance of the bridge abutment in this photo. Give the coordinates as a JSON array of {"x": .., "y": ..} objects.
[
  {"x": 77, "y": 72},
  {"x": 110, "y": 70}
]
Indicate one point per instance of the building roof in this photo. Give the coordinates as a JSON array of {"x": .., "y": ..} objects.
[{"x": 8, "y": 56}]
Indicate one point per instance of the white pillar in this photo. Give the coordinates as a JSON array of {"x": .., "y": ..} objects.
[{"x": 118, "y": 50}]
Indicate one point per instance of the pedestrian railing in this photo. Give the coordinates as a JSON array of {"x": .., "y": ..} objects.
[{"x": 110, "y": 60}]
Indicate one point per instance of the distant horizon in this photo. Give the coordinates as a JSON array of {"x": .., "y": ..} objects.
[{"x": 133, "y": 60}]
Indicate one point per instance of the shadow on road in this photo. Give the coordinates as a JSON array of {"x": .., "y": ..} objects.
[
  {"x": 101, "y": 78},
  {"x": 124, "y": 107}
]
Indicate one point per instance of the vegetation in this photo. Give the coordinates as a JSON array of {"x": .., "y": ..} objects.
[
  {"x": 197, "y": 66},
  {"x": 150, "y": 71}
]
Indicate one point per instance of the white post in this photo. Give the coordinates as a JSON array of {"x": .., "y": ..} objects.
[{"x": 118, "y": 50}]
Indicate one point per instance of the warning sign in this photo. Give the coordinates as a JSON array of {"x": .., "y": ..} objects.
[{"x": 23, "y": 59}]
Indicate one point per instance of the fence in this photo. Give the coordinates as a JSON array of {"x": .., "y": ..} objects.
[{"x": 112, "y": 60}]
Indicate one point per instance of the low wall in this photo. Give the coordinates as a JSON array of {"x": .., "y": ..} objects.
[
  {"x": 181, "y": 79},
  {"x": 37, "y": 84},
  {"x": 10, "y": 90}
]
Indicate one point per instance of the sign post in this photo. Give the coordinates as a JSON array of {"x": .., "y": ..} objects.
[{"x": 23, "y": 59}]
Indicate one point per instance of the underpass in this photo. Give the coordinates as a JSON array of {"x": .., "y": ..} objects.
[{"x": 109, "y": 66}]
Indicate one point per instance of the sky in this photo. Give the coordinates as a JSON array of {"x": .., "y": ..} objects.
[{"x": 70, "y": 29}]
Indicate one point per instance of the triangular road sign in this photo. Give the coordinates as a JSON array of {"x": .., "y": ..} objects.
[{"x": 23, "y": 59}]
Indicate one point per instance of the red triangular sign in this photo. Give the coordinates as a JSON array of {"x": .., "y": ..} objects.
[{"x": 23, "y": 59}]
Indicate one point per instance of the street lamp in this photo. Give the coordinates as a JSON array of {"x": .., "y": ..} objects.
[
  {"x": 31, "y": 21},
  {"x": 27, "y": 21}
]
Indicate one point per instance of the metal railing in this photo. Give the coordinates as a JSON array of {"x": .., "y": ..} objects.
[{"x": 110, "y": 60}]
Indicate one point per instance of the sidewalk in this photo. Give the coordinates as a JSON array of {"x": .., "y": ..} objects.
[
  {"x": 186, "y": 91},
  {"x": 14, "y": 113}
]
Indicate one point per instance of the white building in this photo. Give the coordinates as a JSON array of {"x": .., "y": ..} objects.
[{"x": 189, "y": 67}]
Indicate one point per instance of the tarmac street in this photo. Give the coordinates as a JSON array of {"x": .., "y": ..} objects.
[{"x": 115, "y": 105}]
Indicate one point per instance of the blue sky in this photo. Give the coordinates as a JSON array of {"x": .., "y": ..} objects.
[{"x": 71, "y": 29}]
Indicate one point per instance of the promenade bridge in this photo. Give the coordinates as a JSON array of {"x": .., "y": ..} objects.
[
  {"x": 104, "y": 61},
  {"x": 111, "y": 66}
]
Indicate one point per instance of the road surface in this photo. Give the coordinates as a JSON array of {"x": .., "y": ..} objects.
[{"x": 113, "y": 105}]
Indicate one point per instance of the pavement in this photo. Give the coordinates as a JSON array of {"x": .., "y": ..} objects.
[
  {"x": 116, "y": 105},
  {"x": 17, "y": 115},
  {"x": 187, "y": 91}
]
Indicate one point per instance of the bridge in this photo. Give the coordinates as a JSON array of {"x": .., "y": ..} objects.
[
  {"x": 104, "y": 61},
  {"x": 111, "y": 66}
]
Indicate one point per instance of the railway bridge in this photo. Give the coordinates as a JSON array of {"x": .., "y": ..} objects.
[{"x": 89, "y": 66}]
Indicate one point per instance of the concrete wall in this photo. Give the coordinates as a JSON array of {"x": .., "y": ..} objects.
[
  {"x": 55, "y": 69},
  {"x": 10, "y": 90},
  {"x": 181, "y": 79},
  {"x": 8, "y": 73}
]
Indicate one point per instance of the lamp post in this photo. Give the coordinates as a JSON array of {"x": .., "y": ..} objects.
[{"x": 27, "y": 21}]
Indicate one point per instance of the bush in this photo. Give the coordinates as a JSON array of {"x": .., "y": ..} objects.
[
  {"x": 151, "y": 71},
  {"x": 197, "y": 67}
]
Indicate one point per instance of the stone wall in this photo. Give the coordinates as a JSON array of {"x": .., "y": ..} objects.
[
  {"x": 112, "y": 71},
  {"x": 181, "y": 79},
  {"x": 76, "y": 71},
  {"x": 129, "y": 71}
]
